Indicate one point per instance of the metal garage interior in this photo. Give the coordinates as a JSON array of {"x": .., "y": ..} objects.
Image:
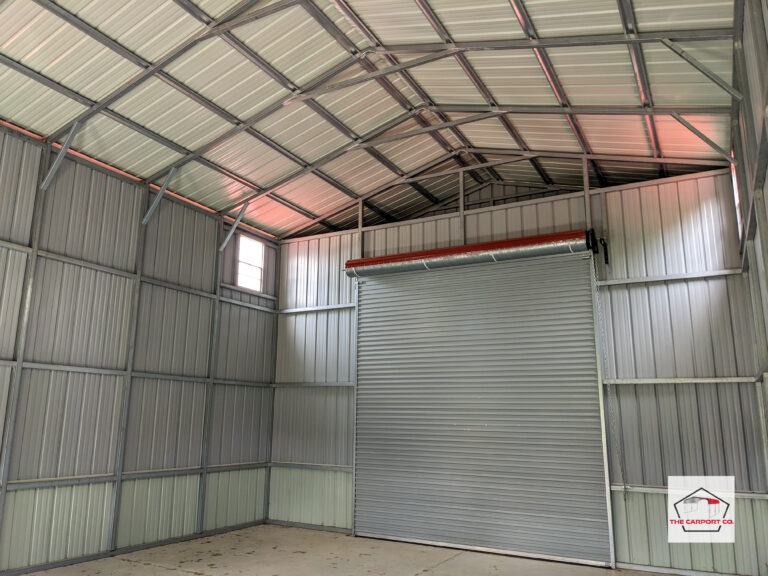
[{"x": 479, "y": 275}]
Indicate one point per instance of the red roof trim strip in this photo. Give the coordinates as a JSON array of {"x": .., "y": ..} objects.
[{"x": 468, "y": 249}]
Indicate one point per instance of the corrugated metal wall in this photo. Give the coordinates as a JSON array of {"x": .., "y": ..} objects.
[
  {"x": 314, "y": 396},
  {"x": 674, "y": 304},
  {"x": 137, "y": 407}
]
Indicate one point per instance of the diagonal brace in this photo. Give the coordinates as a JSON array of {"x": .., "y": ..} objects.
[
  {"x": 60, "y": 158},
  {"x": 703, "y": 68},
  {"x": 159, "y": 196},
  {"x": 711, "y": 143}
]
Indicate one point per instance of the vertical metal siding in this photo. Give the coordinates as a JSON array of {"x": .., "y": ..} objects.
[
  {"x": 50, "y": 524},
  {"x": 165, "y": 425},
  {"x": 19, "y": 166},
  {"x": 319, "y": 497},
  {"x": 6, "y": 373},
  {"x": 66, "y": 425},
  {"x": 156, "y": 509},
  {"x": 173, "y": 332},
  {"x": 12, "y": 267},
  {"x": 240, "y": 424},
  {"x": 541, "y": 217},
  {"x": 316, "y": 347},
  {"x": 91, "y": 215},
  {"x": 312, "y": 271},
  {"x": 78, "y": 316},
  {"x": 234, "y": 498},
  {"x": 513, "y": 431},
  {"x": 313, "y": 425},
  {"x": 246, "y": 344},
  {"x": 638, "y": 542},
  {"x": 180, "y": 246},
  {"x": 412, "y": 236}
]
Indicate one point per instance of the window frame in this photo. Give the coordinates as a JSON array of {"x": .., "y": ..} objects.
[{"x": 238, "y": 261}]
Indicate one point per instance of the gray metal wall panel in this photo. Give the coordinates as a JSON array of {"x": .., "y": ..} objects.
[
  {"x": 638, "y": 542},
  {"x": 412, "y": 236},
  {"x": 91, "y": 215},
  {"x": 313, "y": 425},
  {"x": 66, "y": 425},
  {"x": 316, "y": 347},
  {"x": 246, "y": 349},
  {"x": 234, "y": 498},
  {"x": 693, "y": 328},
  {"x": 686, "y": 429},
  {"x": 228, "y": 262},
  {"x": 180, "y": 246},
  {"x": 12, "y": 267},
  {"x": 532, "y": 219},
  {"x": 494, "y": 400},
  {"x": 165, "y": 425},
  {"x": 173, "y": 332},
  {"x": 312, "y": 271},
  {"x": 156, "y": 509},
  {"x": 19, "y": 173},
  {"x": 672, "y": 228},
  {"x": 52, "y": 524},
  {"x": 240, "y": 424},
  {"x": 78, "y": 316},
  {"x": 319, "y": 497},
  {"x": 248, "y": 298}
]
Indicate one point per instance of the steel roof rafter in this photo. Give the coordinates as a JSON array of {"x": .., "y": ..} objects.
[
  {"x": 629, "y": 24},
  {"x": 554, "y": 82},
  {"x": 480, "y": 86}
]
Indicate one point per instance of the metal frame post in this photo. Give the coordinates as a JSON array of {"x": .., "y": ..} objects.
[
  {"x": 212, "y": 351},
  {"x": 127, "y": 385},
  {"x": 462, "y": 223},
  {"x": 21, "y": 335}
]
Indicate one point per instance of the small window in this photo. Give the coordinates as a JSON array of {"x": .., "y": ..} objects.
[{"x": 250, "y": 263}]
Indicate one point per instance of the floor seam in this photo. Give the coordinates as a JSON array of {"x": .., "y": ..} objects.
[
  {"x": 173, "y": 568},
  {"x": 430, "y": 568}
]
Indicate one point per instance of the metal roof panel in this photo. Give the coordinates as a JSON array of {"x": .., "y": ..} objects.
[
  {"x": 566, "y": 17},
  {"x": 118, "y": 145},
  {"x": 446, "y": 83},
  {"x": 488, "y": 133},
  {"x": 150, "y": 28},
  {"x": 596, "y": 75},
  {"x": 652, "y": 15},
  {"x": 38, "y": 39},
  {"x": 30, "y": 104},
  {"x": 294, "y": 43},
  {"x": 359, "y": 171},
  {"x": 478, "y": 20},
  {"x": 545, "y": 132},
  {"x": 513, "y": 76},
  {"x": 677, "y": 141},
  {"x": 165, "y": 110},
  {"x": 313, "y": 194},
  {"x": 273, "y": 217},
  {"x": 302, "y": 131},
  {"x": 252, "y": 159},
  {"x": 224, "y": 76},
  {"x": 395, "y": 21},
  {"x": 675, "y": 81},
  {"x": 206, "y": 186},
  {"x": 616, "y": 135}
]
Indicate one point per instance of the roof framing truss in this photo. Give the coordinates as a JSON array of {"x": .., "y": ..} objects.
[{"x": 249, "y": 11}]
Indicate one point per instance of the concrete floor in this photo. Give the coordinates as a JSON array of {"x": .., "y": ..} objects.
[{"x": 283, "y": 551}]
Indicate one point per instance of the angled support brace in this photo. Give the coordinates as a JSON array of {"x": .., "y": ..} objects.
[
  {"x": 60, "y": 158},
  {"x": 234, "y": 227},
  {"x": 711, "y": 143},
  {"x": 160, "y": 194},
  {"x": 703, "y": 68}
]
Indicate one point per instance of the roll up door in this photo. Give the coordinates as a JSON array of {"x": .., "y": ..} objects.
[{"x": 478, "y": 409}]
